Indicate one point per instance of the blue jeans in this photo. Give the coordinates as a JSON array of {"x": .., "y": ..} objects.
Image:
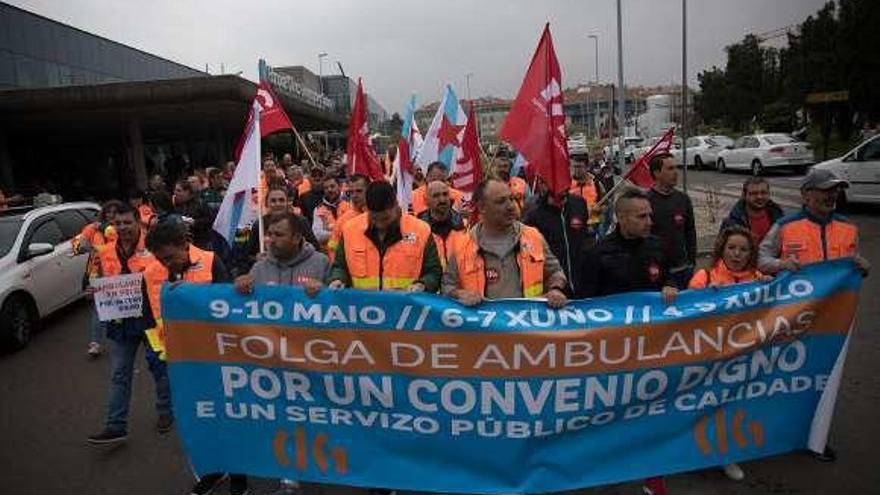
[
  {"x": 97, "y": 328},
  {"x": 123, "y": 351}
]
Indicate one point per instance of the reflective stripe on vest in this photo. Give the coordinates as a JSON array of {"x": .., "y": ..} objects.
[
  {"x": 472, "y": 267},
  {"x": 403, "y": 260},
  {"x": 156, "y": 274},
  {"x": 810, "y": 242}
]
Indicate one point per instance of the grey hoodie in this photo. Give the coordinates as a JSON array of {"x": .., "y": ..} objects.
[{"x": 307, "y": 264}]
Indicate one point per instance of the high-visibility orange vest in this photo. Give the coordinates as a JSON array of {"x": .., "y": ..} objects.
[
  {"x": 444, "y": 247},
  {"x": 403, "y": 260},
  {"x": 109, "y": 264},
  {"x": 97, "y": 238},
  {"x": 518, "y": 188},
  {"x": 303, "y": 187},
  {"x": 419, "y": 203},
  {"x": 811, "y": 242},
  {"x": 587, "y": 190},
  {"x": 341, "y": 220},
  {"x": 156, "y": 274},
  {"x": 472, "y": 267},
  {"x": 720, "y": 275}
]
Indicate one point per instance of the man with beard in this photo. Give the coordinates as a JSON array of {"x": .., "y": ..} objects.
[
  {"x": 755, "y": 211},
  {"x": 446, "y": 223}
]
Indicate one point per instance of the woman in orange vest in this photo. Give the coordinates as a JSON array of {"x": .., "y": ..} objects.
[{"x": 734, "y": 261}]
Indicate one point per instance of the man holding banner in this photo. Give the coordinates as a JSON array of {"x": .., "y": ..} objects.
[
  {"x": 501, "y": 257},
  {"x": 127, "y": 255},
  {"x": 385, "y": 249},
  {"x": 177, "y": 260}
]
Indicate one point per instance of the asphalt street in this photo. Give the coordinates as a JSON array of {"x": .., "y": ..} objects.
[{"x": 53, "y": 397}]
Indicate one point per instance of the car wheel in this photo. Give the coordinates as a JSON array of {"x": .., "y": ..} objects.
[
  {"x": 698, "y": 162},
  {"x": 722, "y": 167},
  {"x": 757, "y": 168},
  {"x": 18, "y": 321}
]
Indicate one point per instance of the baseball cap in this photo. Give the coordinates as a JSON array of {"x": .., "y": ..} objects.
[{"x": 822, "y": 180}]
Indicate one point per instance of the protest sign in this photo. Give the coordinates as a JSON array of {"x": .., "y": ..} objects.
[
  {"x": 119, "y": 296},
  {"x": 414, "y": 391}
]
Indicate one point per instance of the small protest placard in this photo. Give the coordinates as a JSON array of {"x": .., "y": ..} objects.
[{"x": 119, "y": 296}]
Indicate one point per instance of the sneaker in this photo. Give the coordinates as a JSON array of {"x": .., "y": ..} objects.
[
  {"x": 108, "y": 437},
  {"x": 734, "y": 472},
  {"x": 238, "y": 484},
  {"x": 165, "y": 423},
  {"x": 827, "y": 455},
  {"x": 94, "y": 349},
  {"x": 208, "y": 483}
]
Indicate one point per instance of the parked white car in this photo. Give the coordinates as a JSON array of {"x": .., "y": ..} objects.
[
  {"x": 761, "y": 152},
  {"x": 703, "y": 151},
  {"x": 39, "y": 273},
  {"x": 861, "y": 168}
]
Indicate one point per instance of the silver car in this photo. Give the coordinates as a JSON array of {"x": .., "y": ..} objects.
[
  {"x": 761, "y": 152},
  {"x": 703, "y": 151},
  {"x": 39, "y": 273}
]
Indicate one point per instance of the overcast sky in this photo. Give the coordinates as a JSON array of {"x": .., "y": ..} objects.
[{"x": 406, "y": 46}]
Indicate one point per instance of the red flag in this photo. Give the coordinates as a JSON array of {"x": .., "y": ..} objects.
[
  {"x": 273, "y": 118},
  {"x": 640, "y": 173},
  {"x": 272, "y": 115},
  {"x": 535, "y": 125},
  {"x": 467, "y": 170},
  {"x": 361, "y": 156}
]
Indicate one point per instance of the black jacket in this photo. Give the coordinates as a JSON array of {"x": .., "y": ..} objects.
[
  {"x": 202, "y": 222},
  {"x": 738, "y": 215},
  {"x": 675, "y": 225},
  {"x": 566, "y": 232},
  {"x": 616, "y": 265}
]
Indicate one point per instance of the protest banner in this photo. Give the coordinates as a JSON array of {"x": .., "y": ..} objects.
[
  {"x": 119, "y": 296},
  {"x": 418, "y": 392}
]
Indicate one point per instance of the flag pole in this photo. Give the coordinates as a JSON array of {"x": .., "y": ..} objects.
[
  {"x": 303, "y": 144},
  {"x": 625, "y": 180}
]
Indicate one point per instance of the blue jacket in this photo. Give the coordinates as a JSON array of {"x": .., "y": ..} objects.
[{"x": 738, "y": 215}]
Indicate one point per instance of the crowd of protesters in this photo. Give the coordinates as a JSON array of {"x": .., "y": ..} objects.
[{"x": 324, "y": 229}]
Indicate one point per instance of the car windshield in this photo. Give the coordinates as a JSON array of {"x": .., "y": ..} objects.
[
  {"x": 779, "y": 139},
  {"x": 720, "y": 141},
  {"x": 9, "y": 228}
]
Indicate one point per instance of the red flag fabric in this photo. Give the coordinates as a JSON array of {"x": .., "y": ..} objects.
[
  {"x": 640, "y": 173},
  {"x": 272, "y": 115},
  {"x": 361, "y": 156},
  {"x": 535, "y": 125},
  {"x": 468, "y": 169},
  {"x": 273, "y": 118}
]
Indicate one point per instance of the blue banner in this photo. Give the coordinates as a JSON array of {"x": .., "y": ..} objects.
[{"x": 416, "y": 392}]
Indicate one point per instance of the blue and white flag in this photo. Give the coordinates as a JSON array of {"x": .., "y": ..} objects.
[
  {"x": 241, "y": 204},
  {"x": 444, "y": 137}
]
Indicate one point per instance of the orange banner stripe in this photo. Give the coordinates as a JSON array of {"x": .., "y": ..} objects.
[{"x": 526, "y": 354}]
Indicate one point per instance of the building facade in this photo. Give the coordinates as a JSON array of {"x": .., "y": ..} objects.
[{"x": 36, "y": 52}]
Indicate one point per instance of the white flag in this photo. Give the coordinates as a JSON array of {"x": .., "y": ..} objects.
[{"x": 241, "y": 204}]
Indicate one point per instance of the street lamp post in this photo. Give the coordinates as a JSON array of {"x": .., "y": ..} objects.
[
  {"x": 321, "y": 72},
  {"x": 467, "y": 79},
  {"x": 621, "y": 99},
  {"x": 684, "y": 92},
  {"x": 596, "y": 114}
]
